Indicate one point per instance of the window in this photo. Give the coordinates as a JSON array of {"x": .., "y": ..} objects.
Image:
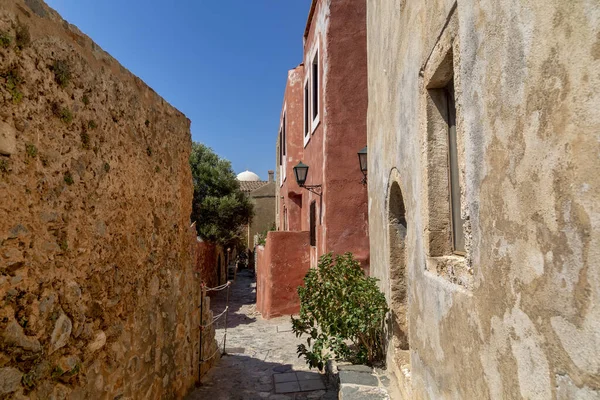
[
  {"x": 314, "y": 86},
  {"x": 306, "y": 112},
  {"x": 458, "y": 233},
  {"x": 280, "y": 155},
  {"x": 282, "y": 150},
  {"x": 284, "y": 145},
  {"x": 313, "y": 227},
  {"x": 444, "y": 137}
]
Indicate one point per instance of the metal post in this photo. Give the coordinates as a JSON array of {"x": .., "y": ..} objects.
[
  {"x": 226, "y": 314},
  {"x": 200, "y": 361}
]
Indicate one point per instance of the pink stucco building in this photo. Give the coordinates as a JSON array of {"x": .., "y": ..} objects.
[{"x": 322, "y": 124}]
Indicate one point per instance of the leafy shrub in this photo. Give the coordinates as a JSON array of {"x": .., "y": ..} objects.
[
  {"x": 22, "y": 36},
  {"x": 13, "y": 81},
  {"x": 68, "y": 178},
  {"x": 62, "y": 72},
  {"x": 85, "y": 139},
  {"x": 31, "y": 150},
  {"x": 3, "y": 166},
  {"x": 5, "y": 40},
  {"x": 342, "y": 312},
  {"x": 85, "y": 99},
  {"x": 63, "y": 113},
  {"x": 92, "y": 124}
]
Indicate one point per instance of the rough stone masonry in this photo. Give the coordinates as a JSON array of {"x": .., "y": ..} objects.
[{"x": 97, "y": 290}]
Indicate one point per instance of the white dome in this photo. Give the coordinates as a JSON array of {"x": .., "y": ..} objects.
[{"x": 248, "y": 176}]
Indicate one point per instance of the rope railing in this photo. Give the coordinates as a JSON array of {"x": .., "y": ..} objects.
[
  {"x": 217, "y": 288},
  {"x": 203, "y": 326},
  {"x": 213, "y": 354},
  {"x": 215, "y": 318}
]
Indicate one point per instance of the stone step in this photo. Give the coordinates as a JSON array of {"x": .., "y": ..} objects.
[{"x": 356, "y": 382}]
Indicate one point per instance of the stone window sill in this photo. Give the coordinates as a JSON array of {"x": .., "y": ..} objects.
[{"x": 452, "y": 268}]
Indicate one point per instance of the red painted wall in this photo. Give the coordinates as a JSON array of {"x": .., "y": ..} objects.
[
  {"x": 282, "y": 265},
  {"x": 207, "y": 260},
  {"x": 331, "y": 154},
  {"x": 293, "y": 106}
]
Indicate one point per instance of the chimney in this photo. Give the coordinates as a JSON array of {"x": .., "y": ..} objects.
[{"x": 271, "y": 175}]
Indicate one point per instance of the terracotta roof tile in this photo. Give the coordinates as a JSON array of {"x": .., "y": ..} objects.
[{"x": 250, "y": 186}]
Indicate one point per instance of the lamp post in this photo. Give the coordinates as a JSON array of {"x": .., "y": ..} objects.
[
  {"x": 301, "y": 173},
  {"x": 362, "y": 160}
]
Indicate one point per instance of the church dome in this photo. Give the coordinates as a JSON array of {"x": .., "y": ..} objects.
[{"x": 248, "y": 176}]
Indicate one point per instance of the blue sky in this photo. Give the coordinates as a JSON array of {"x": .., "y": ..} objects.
[{"x": 223, "y": 63}]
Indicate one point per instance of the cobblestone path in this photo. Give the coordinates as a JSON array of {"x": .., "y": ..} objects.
[{"x": 256, "y": 350}]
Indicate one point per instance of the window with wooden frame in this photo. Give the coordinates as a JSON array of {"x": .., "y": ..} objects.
[
  {"x": 446, "y": 224},
  {"x": 306, "y": 111},
  {"x": 284, "y": 145},
  {"x": 448, "y": 247},
  {"x": 315, "y": 89},
  {"x": 313, "y": 224}
]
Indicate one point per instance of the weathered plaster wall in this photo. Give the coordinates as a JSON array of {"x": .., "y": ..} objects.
[
  {"x": 281, "y": 267},
  {"x": 293, "y": 105},
  {"x": 264, "y": 210},
  {"x": 99, "y": 298},
  {"x": 345, "y": 103},
  {"x": 337, "y": 30},
  {"x": 210, "y": 263},
  {"x": 526, "y": 73}
]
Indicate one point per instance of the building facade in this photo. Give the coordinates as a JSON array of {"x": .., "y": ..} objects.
[
  {"x": 322, "y": 124},
  {"x": 484, "y": 196},
  {"x": 262, "y": 195}
]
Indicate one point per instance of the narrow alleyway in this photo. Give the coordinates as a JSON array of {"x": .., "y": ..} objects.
[{"x": 261, "y": 354}]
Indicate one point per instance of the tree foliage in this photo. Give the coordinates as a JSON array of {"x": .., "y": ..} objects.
[
  {"x": 220, "y": 208},
  {"x": 342, "y": 313}
]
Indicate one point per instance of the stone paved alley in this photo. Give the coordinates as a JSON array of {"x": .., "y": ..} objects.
[{"x": 257, "y": 349}]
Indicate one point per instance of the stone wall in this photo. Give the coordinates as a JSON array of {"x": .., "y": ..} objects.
[
  {"x": 518, "y": 314},
  {"x": 210, "y": 347},
  {"x": 99, "y": 298}
]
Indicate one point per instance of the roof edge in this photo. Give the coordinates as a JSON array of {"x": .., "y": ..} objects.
[{"x": 313, "y": 5}]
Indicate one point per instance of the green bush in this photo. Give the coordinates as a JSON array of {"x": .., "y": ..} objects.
[
  {"x": 5, "y": 40},
  {"x": 22, "y": 36},
  {"x": 13, "y": 82},
  {"x": 62, "y": 72},
  {"x": 63, "y": 113},
  {"x": 342, "y": 312}
]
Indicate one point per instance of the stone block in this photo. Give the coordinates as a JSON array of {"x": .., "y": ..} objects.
[
  {"x": 355, "y": 368},
  {"x": 348, "y": 392},
  {"x": 285, "y": 377},
  {"x": 98, "y": 342},
  {"x": 313, "y": 384},
  {"x": 358, "y": 378},
  {"x": 287, "y": 387},
  {"x": 14, "y": 335},
  {"x": 10, "y": 380},
  {"x": 8, "y": 139},
  {"x": 61, "y": 333}
]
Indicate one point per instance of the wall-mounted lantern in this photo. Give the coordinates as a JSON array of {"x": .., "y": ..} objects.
[
  {"x": 301, "y": 173},
  {"x": 362, "y": 159}
]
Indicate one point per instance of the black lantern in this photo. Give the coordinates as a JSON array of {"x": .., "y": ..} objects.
[
  {"x": 301, "y": 172},
  {"x": 362, "y": 159}
]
